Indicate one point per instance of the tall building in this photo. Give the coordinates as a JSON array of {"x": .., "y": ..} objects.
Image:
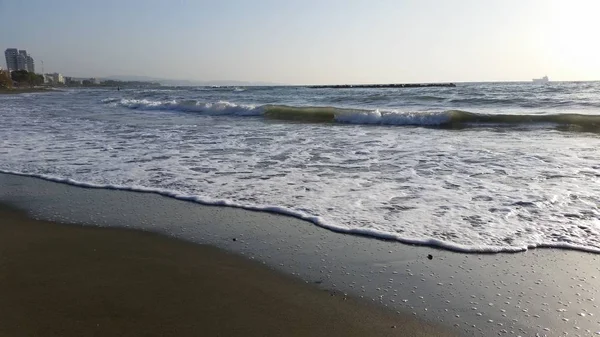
[
  {"x": 30, "y": 64},
  {"x": 22, "y": 60},
  {"x": 11, "y": 58},
  {"x": 19, "y": 60}
]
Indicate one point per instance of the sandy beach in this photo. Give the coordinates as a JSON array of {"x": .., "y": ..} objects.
[
  {"x": 545, "y": 292},
  {"x": 68, "y": 280}
]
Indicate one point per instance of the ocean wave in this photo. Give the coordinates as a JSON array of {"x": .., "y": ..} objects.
[
  {"x": 110, "y": 100},
  {"x": 454, "y": 119},
  {"x": 217, "y": 108}
]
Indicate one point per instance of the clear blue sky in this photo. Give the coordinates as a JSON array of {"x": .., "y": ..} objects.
[{"x": 310, "y": 41}]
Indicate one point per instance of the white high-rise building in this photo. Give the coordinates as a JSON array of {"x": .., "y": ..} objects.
[
  {"x": 54, "y": 78},
  {"x": 58, "y": 78}
]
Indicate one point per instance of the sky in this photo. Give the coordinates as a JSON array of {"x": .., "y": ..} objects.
[{"x": 309, "y": 41}]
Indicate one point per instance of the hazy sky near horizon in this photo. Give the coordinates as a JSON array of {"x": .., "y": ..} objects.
[{"x": 309, "y": 41}]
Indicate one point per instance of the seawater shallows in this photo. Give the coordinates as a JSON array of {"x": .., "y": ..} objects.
[{"x": 479, "y": 168}]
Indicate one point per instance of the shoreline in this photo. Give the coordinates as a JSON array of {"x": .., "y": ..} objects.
[
  {"x": 280, "y": 211},
  {"x": 545, "y": 291},
  {"x": 17, "y": 91},
  {"x": 71, "y": 280}
]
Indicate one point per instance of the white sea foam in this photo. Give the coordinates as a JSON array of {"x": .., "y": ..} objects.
[{"x": 315, "y": 219}]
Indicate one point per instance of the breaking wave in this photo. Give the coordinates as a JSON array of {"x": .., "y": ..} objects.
[{"x": 454, "y": 119}]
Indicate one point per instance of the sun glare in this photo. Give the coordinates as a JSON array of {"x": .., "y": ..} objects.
[{"x": 571, "y": 38}]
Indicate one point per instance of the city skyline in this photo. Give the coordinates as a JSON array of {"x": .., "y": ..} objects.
[{"x": 311, "y": 42}]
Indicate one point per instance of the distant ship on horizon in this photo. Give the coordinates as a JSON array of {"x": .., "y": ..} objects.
[{"x": 541, "y": 80}]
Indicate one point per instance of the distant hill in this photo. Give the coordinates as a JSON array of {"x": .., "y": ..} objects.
[{"x": 169, "y": 82}]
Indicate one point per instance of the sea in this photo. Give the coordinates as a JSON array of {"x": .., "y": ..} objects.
[{"x": 478, "y": 168}]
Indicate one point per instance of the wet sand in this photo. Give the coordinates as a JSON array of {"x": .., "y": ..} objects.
[{"x": 69, "y": 280}]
